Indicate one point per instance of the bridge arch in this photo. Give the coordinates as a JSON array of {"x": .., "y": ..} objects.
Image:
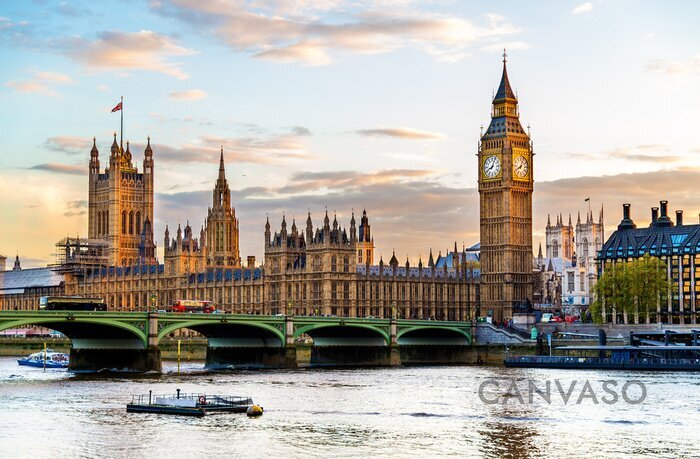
[
  {"x": 78, "y": 328},
  {"x": 344, "y": 333},
  {"x": 433, "y": 335},
  {"x": 250, "y": 333}
]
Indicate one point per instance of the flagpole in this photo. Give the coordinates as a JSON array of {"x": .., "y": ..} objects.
[{"x": 121, "y": 132}]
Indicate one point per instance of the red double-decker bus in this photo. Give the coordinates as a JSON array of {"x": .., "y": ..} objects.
[{"x": 206, "y": 307}]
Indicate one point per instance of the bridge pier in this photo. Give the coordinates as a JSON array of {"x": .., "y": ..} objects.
[
  {"x": 247, "y": 357},
  {"x": 121, "y": 360}
]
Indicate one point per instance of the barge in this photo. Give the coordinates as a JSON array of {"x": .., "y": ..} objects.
[{"x": 197, "y": 405}]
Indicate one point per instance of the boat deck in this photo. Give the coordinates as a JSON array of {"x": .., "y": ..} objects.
[{"x": 188, "y": 404}]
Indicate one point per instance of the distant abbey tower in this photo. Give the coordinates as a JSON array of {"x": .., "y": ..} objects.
[
  {"x": 120, "y": 205},
  {"x": 505, "y": 204}
]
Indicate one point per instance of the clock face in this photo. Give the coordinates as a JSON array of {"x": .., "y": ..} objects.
[
  {"x": 492, "y": 166},
  {"x": 520, "y": 166}
]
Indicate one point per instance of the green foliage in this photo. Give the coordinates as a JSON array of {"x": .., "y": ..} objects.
[{"x": 634, "y": 287}]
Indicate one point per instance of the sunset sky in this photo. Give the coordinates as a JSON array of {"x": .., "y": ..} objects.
[{"x": 344, "y": 104}]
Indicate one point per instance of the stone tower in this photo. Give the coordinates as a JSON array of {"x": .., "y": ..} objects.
[
  {"x": 365, "y": 241},
  {"x": 590, "y": 237},
  {"x": 505, "y": 204},
  {"x": 222, "y": 225},
  {"x": 559, "y": 238},
  {"x": 120, "y": 201}
]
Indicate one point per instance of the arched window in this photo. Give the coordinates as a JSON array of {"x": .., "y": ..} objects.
[
  {"x": 334, "y": 263},
  {"x": 106, "y": 222},
  {"x": 124, "y": 223},
  {"x": 124, "y": 261},
  {"x": 138, "y": 222},
  {"x": 131, "y": 222},
  {"x": 585, "y": 248},
  {"x": 346, "y": 264},
  {"x": 555, "y": 249}
]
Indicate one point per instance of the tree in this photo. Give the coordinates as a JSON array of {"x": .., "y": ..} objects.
[{"x": 633, "y": 288}]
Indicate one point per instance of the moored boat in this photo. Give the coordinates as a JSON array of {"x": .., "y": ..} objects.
[
  {"x": 45, "y": 359},
  {"x": 188, "y": 404}
]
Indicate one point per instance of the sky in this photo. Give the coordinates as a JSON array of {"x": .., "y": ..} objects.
[{"x": 343, "y": 105}]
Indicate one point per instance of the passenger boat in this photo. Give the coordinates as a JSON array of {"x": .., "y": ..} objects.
[
  {"x": 46, "y": 359},
  {"x": 188, "y": 404},
  {"x": 648, "y": 358},
  {"x": 667, "y": 350}
]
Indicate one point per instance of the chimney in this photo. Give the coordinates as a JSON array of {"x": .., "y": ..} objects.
[
  {"x": 251, "y": 261},
  {"x": 654, "y": 215},
  {"x": 664, "y": 219},
  {"x": 679, "y": 218},
  {"x": 626, "y": 222}
]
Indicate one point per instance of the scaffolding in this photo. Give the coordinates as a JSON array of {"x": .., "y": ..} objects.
[{"x": 78, "y": 254}]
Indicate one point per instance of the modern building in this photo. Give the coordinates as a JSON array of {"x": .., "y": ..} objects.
[
  {"x": 677, "y": 245},
  {"x": 505, "y": 202}
]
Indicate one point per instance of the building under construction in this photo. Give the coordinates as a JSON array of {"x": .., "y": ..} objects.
[{"x": 77, "y": 254}]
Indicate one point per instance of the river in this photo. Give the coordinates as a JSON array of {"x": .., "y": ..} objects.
[{"x": 386, "y": 412}]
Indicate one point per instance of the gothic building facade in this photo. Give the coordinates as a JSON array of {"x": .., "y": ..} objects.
[
  {"x": 505, "y": 203},
  {"x": 571, "y": 252},
  {"x": 328, "y": 270},
  {"x": 120, "y": 205},
  {"x": 217, "y": 245}
]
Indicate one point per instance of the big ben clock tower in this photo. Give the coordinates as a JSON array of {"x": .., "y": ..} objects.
[{"x": 505, "y": 204}]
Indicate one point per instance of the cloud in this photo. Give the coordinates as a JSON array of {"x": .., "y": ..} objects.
[
  {"x": 306, "y": 33},
  {"x": 40, "y": 83},
  {"x": 634, "y": 154},
  {"x": 583, "y": 8},
  {"x": 260, "y": 149},
  {"x": 60, "y": 168},
  {"x": 189, "y": 94},
  {"x": 69, "y": 145},
  {"x": 674, "y": 68},
  {"x": 76, "y": 208},
  {"x": 29, "y": 87},
  {"x": 301, "y": 131},
  {"x": 647, "y": 153},
  {"x": 401, "y": 133},
  {"x": 114, "y": 50}
]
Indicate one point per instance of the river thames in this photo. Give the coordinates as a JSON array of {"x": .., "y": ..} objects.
[{"x": 387, "y": 412}]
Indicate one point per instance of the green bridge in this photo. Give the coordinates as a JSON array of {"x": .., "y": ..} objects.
[{"x": 128, "y": 341}]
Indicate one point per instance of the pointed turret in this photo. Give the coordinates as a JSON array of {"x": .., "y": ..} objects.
[
  {"x": 394, "y": 262},
  {"x": 309, "y": 229},
  {"x": 166, "y": 239},
  {"x": 267, "y": 231},
  {"x": 431, "y": 261},
  {"x": 94, "y": 158},
  {"x": 578, "y": 218},
  {"x": 549, "y": 224},
  {"x": 353, "y": 230},
  {"x": 222, "y": 168},
  {"x": 17, "y": 265},
  {"x": 539, "y": 253},
  {"x": 504, "y": 90}
]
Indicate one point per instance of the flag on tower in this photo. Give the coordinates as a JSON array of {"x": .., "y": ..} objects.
[
  {"x": 117, "y": 108},
  {"x": 587, "y": 199}
]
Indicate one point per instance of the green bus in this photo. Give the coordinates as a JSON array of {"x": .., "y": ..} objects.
[{"x": 71, "y": 303}]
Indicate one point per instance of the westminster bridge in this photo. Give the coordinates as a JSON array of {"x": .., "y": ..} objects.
[{"x": 129, "y": 341}]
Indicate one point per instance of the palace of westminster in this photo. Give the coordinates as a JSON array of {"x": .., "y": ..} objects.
[
  {"x": 326, "y": 269},
  {"x": 317, "y": 269}
]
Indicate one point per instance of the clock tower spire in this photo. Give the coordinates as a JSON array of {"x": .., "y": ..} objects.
[{"x": 505, "y": 205}]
